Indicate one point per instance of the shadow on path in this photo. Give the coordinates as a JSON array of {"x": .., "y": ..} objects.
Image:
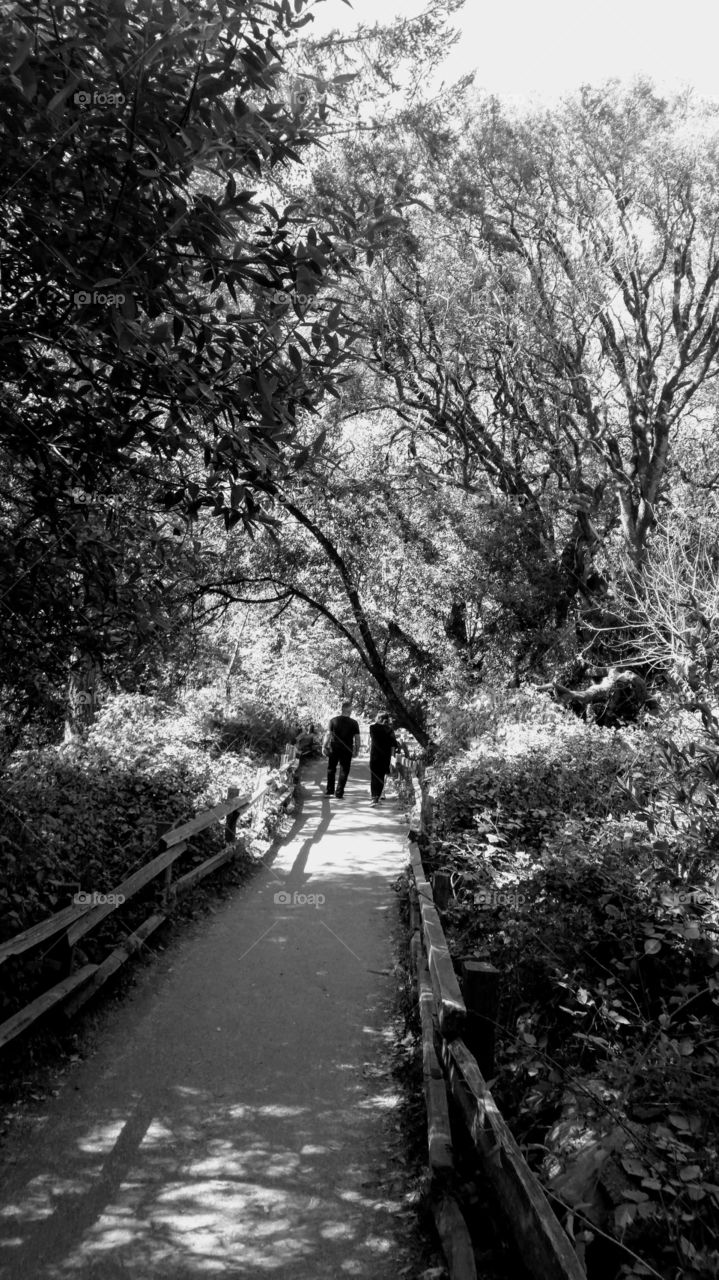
[{"x": 237, "y": 1119}]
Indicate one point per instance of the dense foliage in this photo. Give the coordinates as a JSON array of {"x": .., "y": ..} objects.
[
  {"x": 141, "y": 364},
  {"x": 580, "y": 872}
]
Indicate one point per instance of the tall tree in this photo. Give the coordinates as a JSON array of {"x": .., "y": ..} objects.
[
  {"x": 596, "y": 228},
  {"x": 548, "y": 309},
  {"x": 138, "y": 267}
]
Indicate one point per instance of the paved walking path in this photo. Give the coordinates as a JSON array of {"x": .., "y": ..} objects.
[{"x": 236, "y": 1119}]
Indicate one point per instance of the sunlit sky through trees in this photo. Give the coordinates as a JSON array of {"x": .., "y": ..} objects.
[{"x": 547, "y": 48}]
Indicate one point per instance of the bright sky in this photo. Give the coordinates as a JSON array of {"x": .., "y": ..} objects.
[{"x": 550, "y": 47}]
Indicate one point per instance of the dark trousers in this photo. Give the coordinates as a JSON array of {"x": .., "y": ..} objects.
[
  {"x": 379, "y": 767},
  {"x": 338, "y": 761}
]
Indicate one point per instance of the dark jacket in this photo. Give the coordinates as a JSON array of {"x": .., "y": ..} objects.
[{"x": 382, "y": 742}]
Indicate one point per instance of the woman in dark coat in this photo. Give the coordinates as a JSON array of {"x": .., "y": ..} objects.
[{"x": 382, "y": 742}]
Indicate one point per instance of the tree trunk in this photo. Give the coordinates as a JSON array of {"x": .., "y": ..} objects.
[
  {"x": 81, "y": 698},
  {"x": 228, "y": 674},
  {"x": 406, "y": 714}
]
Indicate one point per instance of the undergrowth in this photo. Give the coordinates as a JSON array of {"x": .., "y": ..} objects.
[
  {"x": 582, "y": 874},
  {"x": 81, "y": 817}
]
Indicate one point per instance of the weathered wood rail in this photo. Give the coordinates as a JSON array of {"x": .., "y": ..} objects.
[
  {"x": 74, "y": 922},
  {"x": 450, "y": 1068}
]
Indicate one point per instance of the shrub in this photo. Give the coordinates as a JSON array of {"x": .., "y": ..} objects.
[
  {"x": 86, "y": 813},
  {"x": 532, "y": 771}
]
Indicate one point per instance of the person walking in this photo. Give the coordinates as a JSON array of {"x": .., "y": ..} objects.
[
  {"x": 341, "y": 744},
  {"x": 382, "y": 743},
  {"x": 305, "y": 742}
]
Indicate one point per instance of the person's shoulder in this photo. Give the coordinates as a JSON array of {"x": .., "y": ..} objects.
[{"x": 356, "y": 724}]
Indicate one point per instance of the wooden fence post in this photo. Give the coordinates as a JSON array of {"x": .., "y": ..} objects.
[
  {"x": 231, "y": 819},
  {"x": 415, "y": 919},
  {"x": 259, "y": 808},
  {"x": 480, "y": 988},
  {"x": 160, "y": 829},
  {"x": 425, "y": 804},
  {"x": 441, "y": 889},
  {"x": 65, "y": 955}
]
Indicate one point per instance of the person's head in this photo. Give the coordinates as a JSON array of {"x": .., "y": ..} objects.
[
  {"x": 346, "y": 708},
  {"x": 384, "y": 717}
]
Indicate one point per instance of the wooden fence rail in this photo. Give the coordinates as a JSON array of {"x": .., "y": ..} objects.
[
  {"x": 72, "y": 923},
  {"x": 531, "y": 1224}
]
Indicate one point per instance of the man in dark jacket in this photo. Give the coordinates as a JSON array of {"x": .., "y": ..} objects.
[
  {"x": 343, "y": 743},
  {"x": 382, "y": 742}
]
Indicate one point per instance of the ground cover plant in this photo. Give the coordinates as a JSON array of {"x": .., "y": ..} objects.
[{"x": 579, "y": 871}]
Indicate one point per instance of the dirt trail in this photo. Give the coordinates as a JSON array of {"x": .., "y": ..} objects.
[{"x": 236, "y": 1119}]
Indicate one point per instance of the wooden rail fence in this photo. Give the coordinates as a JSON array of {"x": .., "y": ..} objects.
[
  {"x": 74, "y": 922},
  {"x": 451, "y": 1069}
]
